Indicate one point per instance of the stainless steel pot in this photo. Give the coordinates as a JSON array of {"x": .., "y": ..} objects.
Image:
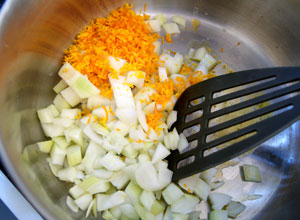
[{"x": 34, "y": 34}]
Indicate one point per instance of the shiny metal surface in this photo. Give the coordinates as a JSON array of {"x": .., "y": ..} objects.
[{"x": 34, "y": 34}]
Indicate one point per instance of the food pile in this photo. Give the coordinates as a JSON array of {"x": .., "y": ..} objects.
[{"x": 109, "y": 124}]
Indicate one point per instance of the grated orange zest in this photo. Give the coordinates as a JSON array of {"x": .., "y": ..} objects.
[{"x": 130, "y": 39}]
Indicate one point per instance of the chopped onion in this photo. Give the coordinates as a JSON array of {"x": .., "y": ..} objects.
[
  {"x": 45, "y": 146},
  {"x": 78, "y": 82},
  {"x": 112, "y": 162},
  {"x": 251, "y": 173},
  {"x": 70, "y": 96},
  {"x": 172, "y": 193},
  {"x": 83, "y": 201},
  {"x": 105, "y": 202},
  {"x": 200, "y": 53},
  {"x": 157, "y": 45},
  {"x": 234, "y": 209},
  {"x": 161, "y": 18},
  {"x": 146, "y": 177},
  {"x": 218, "y": 215},
  {"x": 161, "y": 152},
  {"x": 45, "y": 115},
  {"x": 61, "y": 85},
  {"x": 219, "y": 200},
  {"x": 183, "y": 143},
  {"x": 71, "y": 204},
  {"x": 179, "y": 20},
  {"x": 69, "y": 113},
  {"x": 60, "y": 103},
  {"x": 116, "y": 63},
  {"x": 171, "y": 28},
  {"x": 163, "y": 75},
  {"x": 185, "y": 204},
  {"x": 154, "y": 25}
]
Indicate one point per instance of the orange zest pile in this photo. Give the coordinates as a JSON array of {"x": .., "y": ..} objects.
[{"x": 122, "y": 34}]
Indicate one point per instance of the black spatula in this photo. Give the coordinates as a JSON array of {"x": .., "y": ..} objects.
[{"x": 278, "y": 86}]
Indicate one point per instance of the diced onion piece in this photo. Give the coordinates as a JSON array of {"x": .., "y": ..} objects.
[
  {"x": 171, "y": 28},
  {"x": 68, "y": 174},
  {"x": 64, "y": 122},
  {"x": 194, "y": 215},
  {"x": 161, "y": 152},
  {"x": 121, "y": 128},
  {"x": 124, "y": 100},
  {"x": 61, "y": 141},
  {"x": 172, "y": 193},
  {"x": 69, "y": 113},
  {"x": 116, "y": 63},
  {"x": 154, "y": 25},
  {"x": 144, "y": 213},
  {"x": 146, "y": 177},
  {"x": 164, "y": 177},
  {"x": 116, "y": 212},
  {"x": 191, "y": 53},
  {"x": 106, "y": 202},
  {"x": 61, "y": 85},
  {"x": 88, "y": 182},
  {"x": 208, "y": 61},
  {"x": 45, "y": 115},
  {"x": 162, "y": 72},
  {"x": 93, "y": 151},
  {"x": 144, "y": 95},
  {"x": 90, "y": 208},
  {"x": 76, "y": 191},
  {"x": 60, "y": 103},
  {"x": 74, "y": 134},
  {"x": 99, "y": 129},
  {"x": 74, "y": 155},
  {"x": 172, "y": 117},
  {"x": 99, "y": 100},
  {"x": 216, "y": 185},
  {"x": 45, "y": 146},
  {"x": 157, "y": 207},
  {"x": 202, "y": 189},
  {"x": 147, "y": 199},
  {"x": 71, "y": 204},
  {"x": 136, "y": 78},
  {"x": 161, "y": 18},
  {"x": 219, "y": 200},
  {"x": 176, "y": 216},
  {"x": 119, "y": 179},
  {"x": 107, "y": 215},
  {"x": 183, "y": 143},
  {"x": 102, "y": 173},
  {"x": 234, "y": 209},
  {"x": 130, "y": 161},
  {"x": 179, "y": 20},
  {"x": 200, "y": 53},
  {"x": 53, "y": 110},
  {"x": 173, "y": 64},
  {"x": 185, "y": 205},
  {"x": 143, "y": 158},
  {"x": 189, "y": 183},
  {"x": 129, "y": 151},
  {"x": 218, "y": 215},
  {"x": 91, "y": 134},
  {"x": 157, "y": 45},
  {"x": 112, "y": 162},
  {"x": 171, "y": 140},
  {"x": 78, "y": 82},
  {"x": 51, "y": 130},
  {"x": 168, "y": 214},
  {"x": 133, "y": 192},
  {"x": 83, "y": 201},
  {"x": 208, "y": 175},
  {"x": 57, "y": 155},
  {"x": 70, "y": 96},
  {"x": 251, "y": 173},
  {"x": 141, "y": 116},
  {"x": 201, "y": 69},
  {"x": 251, "y": 197},
  {"x": 129, "y": 211}
]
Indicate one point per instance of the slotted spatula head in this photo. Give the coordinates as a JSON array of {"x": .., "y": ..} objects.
[{"x": 252, "y": 105}]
